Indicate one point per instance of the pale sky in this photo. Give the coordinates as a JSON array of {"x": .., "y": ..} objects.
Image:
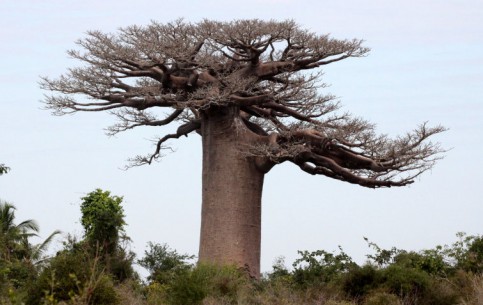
[{"x": 426, "y": 64}]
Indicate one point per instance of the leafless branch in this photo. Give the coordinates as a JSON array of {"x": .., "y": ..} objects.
[
  {"x": 182, "y": 130},
  {"x": 258, "y": 67}
]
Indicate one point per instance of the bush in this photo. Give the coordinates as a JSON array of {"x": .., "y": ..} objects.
[
  {"x": 473, "y": 261},
  {"x": 20, "y": 273},
  {"x": 320, "y": 267},
  {"x": 102, "y": 219},
  {"x": 163, "y": 263},
  {"x": 73, "y": 275},
  {"x": 359, "y": 281},
  {"x": 405, "y": 281},
  {"x": 191, "y": 287},
  {"x": 279, "y": 270},
  {"x": 440, "y": 292},
  {"x": 430, "y": 261},
  {"x": 99, "y": 291},
  {"x": 119, "y": 265}
]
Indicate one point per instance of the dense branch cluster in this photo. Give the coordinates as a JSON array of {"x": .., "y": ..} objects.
[{"x": 267, "y": 70}]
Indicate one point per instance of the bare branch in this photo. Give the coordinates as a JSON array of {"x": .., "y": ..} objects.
[
  {"x": 183, "y": 130},
  {"x": 130, "y": 119},
  {"x": 260, "y": 69}
]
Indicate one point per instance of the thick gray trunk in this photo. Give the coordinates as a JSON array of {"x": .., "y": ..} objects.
[{"x": 232, "y": 192}]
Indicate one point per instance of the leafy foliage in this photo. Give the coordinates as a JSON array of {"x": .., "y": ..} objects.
[
  {"x": 361, "y": 280},
  {"x": 20, "y": 260},
  {"x": 12, "y": 234},
  {"x": 102, "y": 219},
  {"x": 279, "y": 270},
  {"x": 164, "y": 263},
  {"x": 85, "y": 271},
  {"x": 194, "y": 285},
  {"x": 82, "y": 273},
  {"x": 320, "y": 266},
  {"x": 73, "y": 274},
  {"x": 432, "y": 276},
  {"x": 467, "y": 252}
]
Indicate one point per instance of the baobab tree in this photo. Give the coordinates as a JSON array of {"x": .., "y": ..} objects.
[{"x": 252, "y": 90}]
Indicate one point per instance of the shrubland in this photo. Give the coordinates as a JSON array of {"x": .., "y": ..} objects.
[{"x": 97, "y": 268}]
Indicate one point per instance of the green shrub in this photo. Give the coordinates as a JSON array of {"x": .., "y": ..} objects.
[
  {"x": 317, "y": 267},
  {"x": 20, "y": 273},
  {"x": 430, "y": 261},
  {"x": 155, "y": 293},
  {"x": 382, "y": 257},
  {"x": 163, "y": 263},
  {"x": 191, "y": 287},
  {"x": 467, "y": 253},
  {"x": 119, "y": 264},
  {"x": 359, "y": 281},
  {"x": 435, "y": 262},
  {"x": 73, "y": 274},
  {"x": 103, "y": 292},
  {"x": 103, "y": 222},
  {"x": 188, "y": 288},
  {"x": 102, "y": 219},
  {"x": 473, "y": 260},
  {"x": 279, "y": 270},
  {"x": 405, "y": 281}
]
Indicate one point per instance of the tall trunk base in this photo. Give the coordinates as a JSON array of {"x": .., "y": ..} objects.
[{"x": 232, "y": 191}]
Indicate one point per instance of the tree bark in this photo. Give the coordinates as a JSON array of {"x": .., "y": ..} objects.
[{"x": 232, "y": 191}]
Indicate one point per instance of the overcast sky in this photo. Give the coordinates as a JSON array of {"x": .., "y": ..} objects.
[{"x": 426, "y": 64}]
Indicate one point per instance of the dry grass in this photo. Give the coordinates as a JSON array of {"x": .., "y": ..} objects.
[{"x": 475, "y": 297}]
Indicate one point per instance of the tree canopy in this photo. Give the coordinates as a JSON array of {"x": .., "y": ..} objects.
[
  {"x": 102, "y": 219},
  {"x": 266, "y": 70}
]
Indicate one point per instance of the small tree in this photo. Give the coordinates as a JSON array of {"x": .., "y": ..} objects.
[
  {"x": 467, "y": 252},
  {"x": 103, "y": 219},
  {"x": 20, "y": 260},
  {"x": 12, "y": 235},
  {"x": 164, "y": 263},
  {"x": 251, "y": 89}
]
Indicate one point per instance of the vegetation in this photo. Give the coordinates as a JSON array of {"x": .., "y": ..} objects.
[
  {"x": 20, "y": 260},
  {"x": 163, "y": 263},
  {"x": 244, "y": 87},
  {"x": 97, "y": 269},
  {"x": 252, "y": 90},
  {"x": 103, "y": 221},
  {"x": 85, "y": 271}
]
